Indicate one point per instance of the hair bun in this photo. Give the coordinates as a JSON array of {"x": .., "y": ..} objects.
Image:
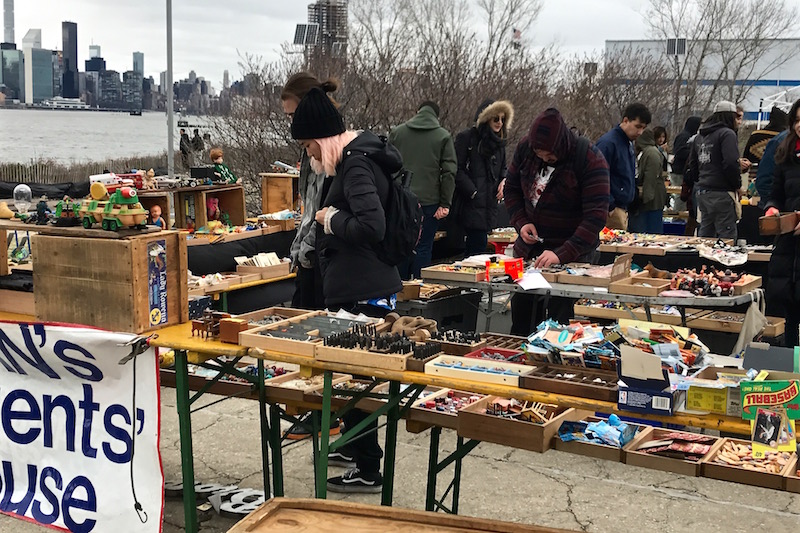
[{"x": 330, "y": 85}]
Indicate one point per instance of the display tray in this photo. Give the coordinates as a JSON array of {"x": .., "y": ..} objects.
[
  {"x": 383, "y": 361},
  {"x": 732, "y": 322},
  {"x": 508, "y": 356},
  {"x": 510, "y": 376},
  {"x": 506, "y": 342},
  {"x": 267, "y": 272},
  {"x": 590, "y": 311},
  {"x": 254, "y": 338},
  {"x": 590, "y": 449},
  {"x": 339, "y": 400},
  {"x": 643, "y": 249},
  {"x": 283, "y": 312},
  {"x": 223, "y": 386},
  {"x": 552, "y": 378},
  {"x": 639, "y": 285},
  {"x": 620, "y": 269},
  {"x": 414, "y": 364},
  {"x": 446, "y": 273},
  {"x": 793, "y": 481},
  {"x": 474, "y": 423},
  {"x": 421, "y": 414},
  {"x": 777, "y": 225},
  {"x": 293, "y": 387},
  {"x": 742, "y": 475},
  {"x": 752, "y": 283},
  {"x": 665, "y": 318},
  {"x": 457, "y": 348},
  {"x": 666, "y": 464}
]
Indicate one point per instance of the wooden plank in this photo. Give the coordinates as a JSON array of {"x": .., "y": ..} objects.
[
  {"x": 77, "y": 231},
  {"x": 280, "y": 515},
  {"x": 20, "y": 302}
]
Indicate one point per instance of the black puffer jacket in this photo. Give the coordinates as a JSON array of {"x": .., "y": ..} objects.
[
  {"x": 481, "y": 158},
  {"x": 351, "y": 270},
  {"x": 784, "y": 266}
]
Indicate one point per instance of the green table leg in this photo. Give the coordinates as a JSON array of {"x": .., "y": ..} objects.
[
  {"x": 322, "y": 461},
  {"x": 262, "y": 415},
  {"x": 185, "y": 429},
  {"x": 224, "y": 302},
  {"x": 391, "y": 446},
  {"x": 315, "y": 436},
  {"x": 277, "y": 452},
  {"x": 433, "y": 461},
  {"x": 457, "y": 476}
]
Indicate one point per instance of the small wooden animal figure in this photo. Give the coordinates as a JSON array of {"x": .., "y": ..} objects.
[{"x": 149, "y": 180}]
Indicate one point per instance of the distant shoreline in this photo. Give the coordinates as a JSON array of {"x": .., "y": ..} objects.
[{"x": 98, "y": 109}]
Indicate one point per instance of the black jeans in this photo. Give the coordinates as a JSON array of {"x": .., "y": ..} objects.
[
  {"x": 528, "y": 310},
  {"x": 365, "y": 449},
  {"x": 308, "y": 289}
]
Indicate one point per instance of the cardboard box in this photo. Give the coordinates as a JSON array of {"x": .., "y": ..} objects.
[
  {"x": 657, "y": 462},
  {"x": 644, "y": 386},
  {"x": 590, "y": 449},
  {"x": 762, "y": 356},
  {"x": 785, "y": 223},
  {"x": 708, "y": 396},
  {"x": 474, "y": 423},
  {"x": 464, "y": 372},
  {"x": 736, "y": 474}
]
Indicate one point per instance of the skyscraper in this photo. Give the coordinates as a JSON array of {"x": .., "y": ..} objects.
[
  {"x": 69, "y": 37},
  {"x": 138, "y": 63},
  {"x": 226, "y": 80},
  {"x": 94, "y": 51},
  {"x": 8, "y": 21},
  {"x": 330, "y": 16},
  {"x": 32, "y": 39},
  {"x": 12, "y": 73},
  {"x": 38, "y": 75}
]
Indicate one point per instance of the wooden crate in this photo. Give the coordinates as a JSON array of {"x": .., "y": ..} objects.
[
  {"x": 463, "y": 372},
  {"x": 191, "y": 204},
  {"x": 591, "y": 449},
  {"x": 278, "y": 191},
  {"x": 161, "y": 198},
  {"x": 442, "y": 272},
  {"x": 105, "y": 282},
  {"x": 543, "y": 378},
  {"x": 389, "y": 361},
  {"x": 474, "y": 423},
  {"x": 657, "y": 462},
  {"x": 740, "y": 475},
  {"x": 280, "y": 515}
]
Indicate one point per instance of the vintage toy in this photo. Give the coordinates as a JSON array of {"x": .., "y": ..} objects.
[
  {"x": 119, "y": 210},
  {"x": 209, "y": 325}
]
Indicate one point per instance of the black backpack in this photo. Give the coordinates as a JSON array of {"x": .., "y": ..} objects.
[{"x": 403, "y": 220}]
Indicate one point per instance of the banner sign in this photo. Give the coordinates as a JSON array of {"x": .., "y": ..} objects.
[
  {"x": 68, "y": 456},
  {"x": 157, "y": 281}
]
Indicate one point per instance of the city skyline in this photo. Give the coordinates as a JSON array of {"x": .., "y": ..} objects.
[{"x": 209, "y": 38}]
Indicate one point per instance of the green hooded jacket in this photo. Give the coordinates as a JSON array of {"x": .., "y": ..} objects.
[
  {"x": 428, "y": 152},
  {"x": 649, "y": 174}
]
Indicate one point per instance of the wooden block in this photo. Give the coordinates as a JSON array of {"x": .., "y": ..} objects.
[{"x": 105, "y": 283}]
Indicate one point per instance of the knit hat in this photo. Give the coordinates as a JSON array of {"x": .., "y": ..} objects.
[
  {"x": 550, "y": 133},
  {"x": 316, "y": 117},
  {"x": 724, "y": 105}
]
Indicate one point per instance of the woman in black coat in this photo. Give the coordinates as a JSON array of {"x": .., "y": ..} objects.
[
  {"x": 481, "y": 153},
  {"x": 783, "y": 289}
]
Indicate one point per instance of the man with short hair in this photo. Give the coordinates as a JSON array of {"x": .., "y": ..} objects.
[
  {"x": 428, "y": 152},
  {"x": 618, "y": 149}
]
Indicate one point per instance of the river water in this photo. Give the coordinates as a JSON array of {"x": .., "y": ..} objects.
[{"x": 80, "y": 136}]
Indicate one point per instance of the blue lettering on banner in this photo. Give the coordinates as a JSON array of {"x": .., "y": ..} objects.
[{"x": 157, "y": 281}]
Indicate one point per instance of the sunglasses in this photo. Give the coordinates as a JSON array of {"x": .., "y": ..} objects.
[{"x": 498, "y": 120}]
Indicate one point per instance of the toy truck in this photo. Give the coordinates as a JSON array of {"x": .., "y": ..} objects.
[{"x": 119, "y": 210}]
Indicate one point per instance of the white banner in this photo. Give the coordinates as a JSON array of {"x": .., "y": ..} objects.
[{"x": 68, "y": 458}]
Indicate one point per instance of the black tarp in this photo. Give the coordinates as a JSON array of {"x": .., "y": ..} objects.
[
  {"x": 54, "y": 191},
  {"x": 210, "y": 258}
]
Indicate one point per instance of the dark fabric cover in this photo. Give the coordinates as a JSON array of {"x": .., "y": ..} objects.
[
  {"x": 54, "y": 191},
  {"x": 210, "y": 258}
]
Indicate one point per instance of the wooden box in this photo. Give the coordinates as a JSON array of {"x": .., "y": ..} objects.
[
  {"x": 793, "y": 481},
  {"x": 551, "y": 378},
  {"x": 277, "y": 191},
  {"x": 590, "y": 449},
  {"x": 474, "y": 423},
  {"x": 389, "y": 361},
  {"x": 284, "y": 312},
  {"x": 106, "y": 283},
  {"x": 17, "y": 302},
  {"x": 161, "y": 198},
  {"x": 741, "y": 475},
  {"x": 607, "y": 313},
  {"x": 429, "y": 417},
  {"x": 640, "y": 285},
  {"x": 292, "y": 387},
  {"x": 621, "y": 269},
  {"x": 253, "y": 338},
  {"x": 752, "y": 283},
  {"x": 267, "y": 272},
  {"x": 507, "y": 342},
  {"x": 509, "y": 356},
  {"x": 280, "y": 515},
  {"x": 665, "y": 464},
  {"x": 731, "y": 322},
  {"x": 509, "y": 377},
  {"x": 444, "y": 273},
  {"x": 276, "y": 226},
  {"x": 785, "y": 223},
  {"x": 192, "y": 204},
  {"x": 414, "y": 364},
  {"x": 457, "y": 348}
]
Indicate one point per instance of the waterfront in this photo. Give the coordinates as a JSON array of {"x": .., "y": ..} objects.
[{"x": 81, "y": 136}]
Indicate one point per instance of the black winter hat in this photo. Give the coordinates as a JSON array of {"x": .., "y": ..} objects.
[{"x": 316, "y": 117}]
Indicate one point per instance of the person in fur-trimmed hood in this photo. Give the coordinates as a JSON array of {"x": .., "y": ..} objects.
[{"x": 481, "y": 154}]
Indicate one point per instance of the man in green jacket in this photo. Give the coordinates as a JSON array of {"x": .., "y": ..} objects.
[
  {"x": 649, "y": 217},
  {"x": 428, "y": 152}
]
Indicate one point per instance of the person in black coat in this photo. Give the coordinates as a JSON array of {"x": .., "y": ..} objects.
[
  {"x": 481, "y": 154},
  {"x": 783, "y": 288},
  {"x": 350, "y": 222}
]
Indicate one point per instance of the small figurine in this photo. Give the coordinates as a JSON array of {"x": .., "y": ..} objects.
[
  {"x": 212, "y": 209},
  {"x": 221, "y": 169},
  {"x": 155, "y": 217},
  {"x": 42, "y": 211},
  {"x": 150, "y": 180}
]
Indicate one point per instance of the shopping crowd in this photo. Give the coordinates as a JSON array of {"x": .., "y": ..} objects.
[{"x": 560, "y": 190}]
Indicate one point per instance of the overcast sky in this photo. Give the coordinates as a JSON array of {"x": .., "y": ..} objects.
[{"x": 209, "y": 34}]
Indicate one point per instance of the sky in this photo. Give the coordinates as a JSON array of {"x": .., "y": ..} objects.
[{"x": 210, "y": 35}]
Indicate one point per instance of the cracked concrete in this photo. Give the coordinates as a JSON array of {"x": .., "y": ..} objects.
[{"x": 553, "y": 489}]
